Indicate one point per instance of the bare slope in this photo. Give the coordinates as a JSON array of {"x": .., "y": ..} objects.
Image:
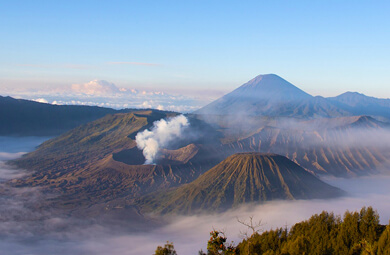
[
  {"x": 99, "y": 162},
  {"x": 349, "y": 146},
  {"x": 241, "y": 178}
]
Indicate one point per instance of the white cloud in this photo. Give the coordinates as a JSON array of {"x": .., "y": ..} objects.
[
  {"x": 107, "y": 94},
  {"x": 95, "y": 87},
  {"x": 146, "y": 104},
  {"x": 41, "y": 100}
]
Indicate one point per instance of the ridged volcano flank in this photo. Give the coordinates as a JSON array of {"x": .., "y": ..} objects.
[{"x": 241, "y": 178}]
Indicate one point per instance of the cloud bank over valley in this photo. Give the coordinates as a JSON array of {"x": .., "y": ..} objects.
[
  {"x": 25, "y": 230},
  {"x": 106, "y": 94}
]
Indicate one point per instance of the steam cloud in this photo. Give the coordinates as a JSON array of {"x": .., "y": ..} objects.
[{"x": 162, "y": 133}]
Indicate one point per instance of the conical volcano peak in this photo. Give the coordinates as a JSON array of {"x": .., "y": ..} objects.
[
  {"x": 253, "y": 154},
  {"x": 265, "y": 79},
  {"x": 271, "y": 87},
  {"x": 241, "y": 178},
  {"x": 266, "y": 94}
]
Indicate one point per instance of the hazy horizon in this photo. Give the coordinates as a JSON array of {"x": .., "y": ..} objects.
[
  {"x": 323, "y": 47},
  {"x": 105, "y": 94}
]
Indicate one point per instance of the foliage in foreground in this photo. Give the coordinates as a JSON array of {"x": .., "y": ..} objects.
[
  {"x": 168, "y": 249},
  {"x": 325, "y": 233},
  {"x": 217, "y": 244},
  {"x": 354, "y": 233}
]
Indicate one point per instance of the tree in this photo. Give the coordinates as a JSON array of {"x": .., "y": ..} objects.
[
  {"x": 300, "y": 246},
  {"x": 358, "y": 233},
  {"x": 349, "y": 233},
  {"x": 168, "y": 249},
  {"x": 369, "y": 224},
  {"x": 384, "y": 242},
  {"x": 254, "y": 226},
  {"x": 217, "y": 244}
]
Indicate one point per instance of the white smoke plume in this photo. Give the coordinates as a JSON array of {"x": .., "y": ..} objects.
[{"x": 162, "y": 133}]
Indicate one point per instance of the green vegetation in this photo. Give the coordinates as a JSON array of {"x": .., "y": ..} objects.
[
  {"x": 168, "y": 249},
  {"x": 325, "y": 233},
  {"x": 217, "y": 244}
]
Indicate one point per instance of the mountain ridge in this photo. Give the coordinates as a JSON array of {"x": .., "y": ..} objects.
[
  {"x": 22, "y": 117},
  {"x": 272, "y": 96},
  {"x": 360, "y": 104}
]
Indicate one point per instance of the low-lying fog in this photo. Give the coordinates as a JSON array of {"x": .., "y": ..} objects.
[{"x": 25, "y": 231}]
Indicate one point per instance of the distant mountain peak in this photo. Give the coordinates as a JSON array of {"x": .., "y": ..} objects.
[
  {"x": 264, "y": 78},
  {"x": 352, "y": 93},
  {"x": 357, "y": 95},
  {"x": 265, "y": 83},
  {"x": 360, "y": 104},
  {"x": 261, "y": 95},
  {"x": 272, "y": 96}
]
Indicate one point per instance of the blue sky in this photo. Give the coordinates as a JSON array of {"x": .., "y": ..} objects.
[{"x": 323, "y": 47}]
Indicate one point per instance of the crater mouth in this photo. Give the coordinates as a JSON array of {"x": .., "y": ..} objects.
[{"x": 133, "y": 156}]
